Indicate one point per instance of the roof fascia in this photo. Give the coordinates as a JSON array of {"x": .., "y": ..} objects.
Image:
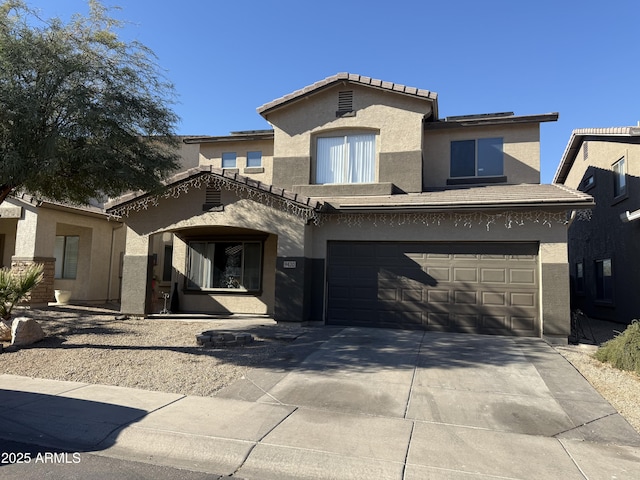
[
  {"x": 229, "y": 138},
  {"x": 479, "y": 122}
]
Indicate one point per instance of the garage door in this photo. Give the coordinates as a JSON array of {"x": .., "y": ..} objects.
[{"x": 473, "y": 287}]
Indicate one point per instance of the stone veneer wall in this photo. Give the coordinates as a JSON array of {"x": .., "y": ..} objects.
[{"x": 43, "y": 293}]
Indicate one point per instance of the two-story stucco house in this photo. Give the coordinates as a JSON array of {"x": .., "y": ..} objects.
[
  {"x": 361, "y": 207},
  {"x": 604, "y": 252}
]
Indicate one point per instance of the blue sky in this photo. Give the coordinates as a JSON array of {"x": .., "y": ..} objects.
[{"x": 226, "y": 58}]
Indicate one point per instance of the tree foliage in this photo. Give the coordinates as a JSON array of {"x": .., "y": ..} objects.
[{"x": 82, "y": 112}]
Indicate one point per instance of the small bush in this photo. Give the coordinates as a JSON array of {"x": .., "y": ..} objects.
[{"x": 623, "y": 351}]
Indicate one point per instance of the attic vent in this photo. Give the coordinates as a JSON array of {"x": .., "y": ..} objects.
[
  {"x": 212, "y": 199},
  {"x": 585, "y": 151},
  {"x": 345, "y": 104}
]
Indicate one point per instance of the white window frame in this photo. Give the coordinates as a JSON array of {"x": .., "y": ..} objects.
[
  {"x": 259, "y": 152},
  {"x": 619, "y": 178},
  {"x": 346, "y": 159},
  {"x": 230, "y": 156}
]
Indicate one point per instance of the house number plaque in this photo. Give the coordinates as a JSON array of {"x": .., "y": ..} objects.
[{"x": 290, "y": 264}]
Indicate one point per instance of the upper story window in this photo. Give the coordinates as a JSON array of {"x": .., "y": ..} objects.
[
  {"x": 229, "y": 160},
  {"x": 346, "y": 159},
  {"x": 254, "y": 159},
  {"x": 619, "y": 178},
  {"x": 477, "y": 158}
]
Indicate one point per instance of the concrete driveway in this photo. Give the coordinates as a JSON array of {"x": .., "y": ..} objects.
[{"x": 360, "y": 403}]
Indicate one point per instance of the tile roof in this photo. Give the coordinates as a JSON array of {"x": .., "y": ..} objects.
[
  {"x": 43, "y": 202},
  {"x": 481, "y": 197},
  {"x": 351, "y": 78},
  {"x": 575, "y": 142}
]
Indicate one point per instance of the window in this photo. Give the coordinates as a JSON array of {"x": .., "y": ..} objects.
[
  {"x": 604, "y": 280},
  {"x": 229, "y": 160},
  {"x": 346, "y": 159},
  {"x": 477, "y": 158},
  {"x": 167, "y": 264},
  {"x": 579, "y": 277},
  {"x": 254, "y": 159},
  {"x": 619, "y": 178},
  {"x": 587, "y": 183},
  {"x": 66, "y": 254},
  {"x": 224, "y": 265}
]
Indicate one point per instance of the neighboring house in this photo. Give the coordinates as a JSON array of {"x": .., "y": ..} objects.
[
  {"x": 361, "y": 207},
  {"x": 604, "y": 252},
  {"x": 80, "y": 248}
]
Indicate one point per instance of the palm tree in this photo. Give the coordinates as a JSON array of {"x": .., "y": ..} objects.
[{"x": 16, "y": 286}]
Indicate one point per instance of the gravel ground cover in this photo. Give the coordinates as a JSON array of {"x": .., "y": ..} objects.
[{"x": 90, "y": 345}]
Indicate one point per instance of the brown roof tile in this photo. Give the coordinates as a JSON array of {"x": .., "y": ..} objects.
[
  {"x": 484, "y": 197},
  {"x": 207, "y": 169},
  {"x": 350, "y": 77}
]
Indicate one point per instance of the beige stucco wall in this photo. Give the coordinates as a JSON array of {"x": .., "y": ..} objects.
[
  {"x": 521, "y": 144},
  {"x": 33, "y": 237},
  {"x": 603, "y": 155},
  {"x": 189, "y": 155},
  {"x": 552, "y": 239},
  {"x": 101, "y": 242},
  {"x": 211, "y": 154},
  {"x": 184, "y": 216},
  {"x": 396, "y": 118}
]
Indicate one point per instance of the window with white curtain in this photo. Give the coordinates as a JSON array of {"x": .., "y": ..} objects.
[
  {"x": 346, "y": 159},
  {"x": 224, "y": 265},
  {"x": 66, "y": 255}
]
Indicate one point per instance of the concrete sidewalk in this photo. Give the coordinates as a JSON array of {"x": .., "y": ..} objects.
[{"x": 363, "y": 403}]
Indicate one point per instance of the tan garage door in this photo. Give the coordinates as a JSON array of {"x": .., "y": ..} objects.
[{"x": 472, "y": 287}]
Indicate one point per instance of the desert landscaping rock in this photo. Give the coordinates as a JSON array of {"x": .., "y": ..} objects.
[
  {"x": 213, "y": 338},
  {"x": 25, "y": 331},
  {"x": 5, "y": 331}
]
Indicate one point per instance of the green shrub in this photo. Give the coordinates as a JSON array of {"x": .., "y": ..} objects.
[
  {"x": 623, "y": 351},
  {"x": 16, "y": 286}
]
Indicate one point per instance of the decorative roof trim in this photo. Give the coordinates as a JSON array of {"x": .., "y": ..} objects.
[
  {"x": 577, "y": 138},
  {"x": 350, "y": 78},
  {"x": 205, "y": 175}
]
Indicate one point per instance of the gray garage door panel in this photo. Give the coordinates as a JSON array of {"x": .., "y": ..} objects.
[{"x": 473, "y": 287}]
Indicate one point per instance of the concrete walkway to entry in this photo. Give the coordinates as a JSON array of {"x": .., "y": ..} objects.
[{"x": 353, "y": 403}]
